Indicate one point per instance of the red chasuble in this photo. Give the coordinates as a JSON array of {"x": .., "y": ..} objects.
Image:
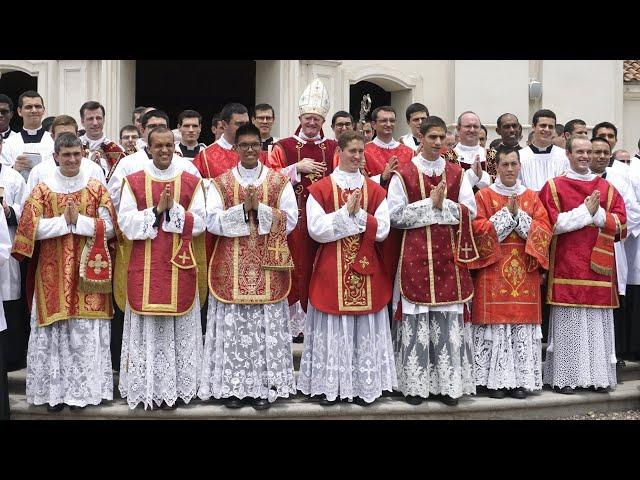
[
  {"x": 489, "y": 166},
  {"x": 362, "y": 284},
  {"x": 507, "y": 287},
  {"x": 254, "y": 269},
  {"x": 288, "y": 151},
  {"x": 582, "y": 263},
  {"x": 433, "y": 259},
  {"x": 163, "y": 273},
  {"x": 377, "y": 157},
  {"x": 60, "y": 291}
]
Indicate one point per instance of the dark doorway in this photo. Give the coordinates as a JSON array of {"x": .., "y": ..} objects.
[
  {"x": 204, "y": 86},
  {"x": 13, "y": 84},
  {"x": 379, "y": 97}
]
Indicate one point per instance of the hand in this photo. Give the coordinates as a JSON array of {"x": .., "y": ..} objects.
[
  {"x": 95, "y": 157},
  {"x": 166, "y": 200},
  {"x": 477, "y": 167},
  {"x": 437, "y": 195},
  {"x": 389, "y": 168},
  {"x": 72, "y": 212},
  {"x": 353, "y": 203},
  {"x": 6, "y": 208},
  {"x": 248, "y": 200},
  {"x": 308, "y": 165},
  {"x": 256, "y": 200},
  {"x": 512, "y": 205},
  {"x": 67, "y": 215},
  {"x": 22, "y": 163},
  {"x": 593, "y": 202},
  {"x": 168, "y": 196}
]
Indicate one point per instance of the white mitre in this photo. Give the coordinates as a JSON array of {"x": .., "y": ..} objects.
[{"x": 315, "y": 99}]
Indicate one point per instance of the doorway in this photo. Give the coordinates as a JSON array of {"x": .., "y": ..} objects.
[{"x": 13, "y": 84}]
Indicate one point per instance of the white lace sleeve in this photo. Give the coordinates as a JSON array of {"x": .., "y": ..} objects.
[
  {"x": 265, "y": 217},
  {"x": 232, "y": 222},
  {"x": 291, "y": 172},
  {"x": 176, "y": 219},
  {"x": 329, "y": 227},
  {"x": 573, "y": 220},
  {"x": 524, "y": 224},
  {"x": 503, "y": 222},
  {"x": 135, "y": 224}
]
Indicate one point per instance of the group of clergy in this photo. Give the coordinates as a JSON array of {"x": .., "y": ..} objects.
[{"x": 414, "y": 270}]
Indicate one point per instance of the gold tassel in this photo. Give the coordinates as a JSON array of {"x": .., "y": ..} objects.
[{"x": 601, "y": 270}]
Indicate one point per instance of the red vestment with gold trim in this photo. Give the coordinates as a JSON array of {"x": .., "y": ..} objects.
[{"x": 377, "y": 157}]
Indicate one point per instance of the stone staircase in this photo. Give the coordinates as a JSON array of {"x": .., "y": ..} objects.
[{"x": 541, "y": 405}]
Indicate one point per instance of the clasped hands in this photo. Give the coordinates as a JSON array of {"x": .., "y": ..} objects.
[
  {"x": 166, "y": 200},
  {"x": 251, "y": 201},
  {"x": 71, "y": 212},
  {"x": 592, "y": 202}
]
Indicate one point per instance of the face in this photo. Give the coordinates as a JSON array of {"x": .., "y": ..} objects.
[
  {"x": 450, "y": 140},
  {"x": 5, "y": 116},
  {"x": 162, "y": 149},
  {"x": 607, "y": 133},
  {"x": 69, "y": 160},
  {"x": 578, "y": 131},
  {"x": 190, "y": 130},
  {"x": 384, "y": 124},
  {"x": 367, "y": 131},
  {"x": 509, "y": 130},
  {"x": 217, "y": 129},
  {"x": 469, "y": 129},
  {"x": 128, "y": 139},
  {"x": 93, "y": 123},
  {"x": 482, "y": 138},
  {"x": 342, "y": 125},
  {"x": 432, "y": 142},
  {"x": 579, "y": 158},
  {"x": 32, "y": 111},
  {"x": 60, "y": 129},
  {"x": 622, "y": 156},
  {"x": 508, "y": 169},
  {"x": 248, "y": 148},
  {"x": 544, "y": 131},
  {"x": 264, "y": 121},
  {"x": 415, "y": 120},
  {"x": 151, "y": 124},
  {"x": 560, "y": 141},
  {"x": 235, "y": 122},
  {"x": 311, "y": 124},
  {"x": 600, "y": 156},
  {"x": 352, "y": 157}
]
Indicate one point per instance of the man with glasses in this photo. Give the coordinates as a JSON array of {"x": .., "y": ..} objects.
[
  {"x": 129, "y": 136},
  {"x": 469, "y": 154},
  {"x": 340, "y": 122},
  {"x": 6, "y": 114},
  {"x": 23, "y": 151},
  {"x": 416, "y": 114},
  {"x": 264, "y": 118}
]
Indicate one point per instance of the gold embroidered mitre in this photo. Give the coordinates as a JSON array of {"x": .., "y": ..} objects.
[{"x": 314, "y": 99}]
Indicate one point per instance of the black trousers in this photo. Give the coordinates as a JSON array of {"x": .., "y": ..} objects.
[
  {"x": 18, "y": 326},
  {"x": 117, "y": 325},
  {"x": 4, "y": 383}
]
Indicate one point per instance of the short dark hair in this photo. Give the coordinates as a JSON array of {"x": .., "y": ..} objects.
[
  {"x": 348, "y": 136},
  {"x": 543, "y": 114},
  {"x": 495, "y": 143},
  {"x": 157, "y": 131},
  {"x": 338, "y": 114},
  {"x": 559, "y": 128},
  {"x": 6, "y": 99},
  {"x": 230, "y": 109},
  {"x": 383, "y": 108},
  {"x": 91, "y": 105},
  {"x": 571, "y": 140},
  {"x": 189, "y": 114},
  {"x": 153, "y": 113},
  {"x": 605, "y": 125},
  {"x": 29, "y": 94},
  {"x": 66, "y": 140},
  {"x": 139, "y": 110},
  {"x": 500, "y": 118},
  {"x": 47, "y": 123},
  {"x": 215, "y": 119},
  {"x": 485, "y": 129},
  {"x": 602, "y": 140},
  {"x": 415, "y": 107},
  {"x": 128, "y": 128},
  {"x": 248, "y": 129},
  {"x": 264, "y": 106},
  {"x": 432, "y": 122},
  {"x": 504, "y": 150},
  {"x": 570, "y": 126},
  {"x": 64, "y": 120}
]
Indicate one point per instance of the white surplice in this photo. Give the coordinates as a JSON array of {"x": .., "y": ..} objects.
[
  {"x": 536, "y": 169},
  {"x": 15, "y": 145},
  {"x": 14, "y": 191}
]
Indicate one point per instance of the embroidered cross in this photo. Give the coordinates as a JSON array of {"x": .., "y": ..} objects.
[
  {"x": 466, "y": 249},
  {"x": 364, "y": 262},
  {"x": 98, "y": 264},
  {"x": 183, "y": 257},
  {"x": 277, "y": 250}
]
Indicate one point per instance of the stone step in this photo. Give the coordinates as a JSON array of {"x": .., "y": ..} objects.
[{"x": 544, "y": 404}]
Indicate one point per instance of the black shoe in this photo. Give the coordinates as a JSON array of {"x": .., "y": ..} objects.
[
  {"x": 298, "y": 339},
  {"x": 55, "y": 408},
  {"x": 165, "y": 406},
  {"x": 233, "y": 402},
  {"x": 413, "y": 399},
  {"x": 76, "y": 407},
  {"x": 261, "y": 404},
  {"x": 519, "y": 393},
  {"x": 565, "y": 390},
  {"x": 621, "y": 363},
  {"x": 600, "y": 389},
  {"x": 361, "y": 402},
  {"x": 447, "y": 400},
  {"x": 499, "y": 393},
  {"x": 325, "y": 402}
]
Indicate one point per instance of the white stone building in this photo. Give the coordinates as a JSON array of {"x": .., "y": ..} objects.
[{"x": 594, "y": 90}]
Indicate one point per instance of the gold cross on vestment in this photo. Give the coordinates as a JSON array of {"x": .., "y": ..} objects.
[
  {"x": 466, "y": 249},
  {"x": 364, "y": 262},
  {"x": 277, "y": 249},
  {"x": 98, "y": 264},
  {"x": 183, "y": 257}
]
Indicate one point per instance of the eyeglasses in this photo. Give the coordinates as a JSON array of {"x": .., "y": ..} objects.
[
  {"x": 264, "y": 119},
  {"x": 343, "y": 125},
  {"x": 386, "y": 120},
  {"x": 247, "y": 146},
  {"x": 5, "y": 112},
  {"x": 130, "y": 137},
  {"x": 33, "y": 107}
]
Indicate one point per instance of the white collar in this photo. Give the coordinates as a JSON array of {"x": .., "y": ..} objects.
[
  {"x": 501, "y": 189},
  {"x": 224, "y": 144},
  {"x": 390, "y": 146},
  {"x": 430, "y": 167},
  {"x": 302, "y": 138},
  {"x": 33, "y": 132},
  {"x": 71, "y": 184},
  {"x": 167, "y": 173},
  {"x": 348, "y": 180},
  {"x": 253, "y": 176},
  {"x": 586, "y": 177},
  {"x": 466, "y": 149}
]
